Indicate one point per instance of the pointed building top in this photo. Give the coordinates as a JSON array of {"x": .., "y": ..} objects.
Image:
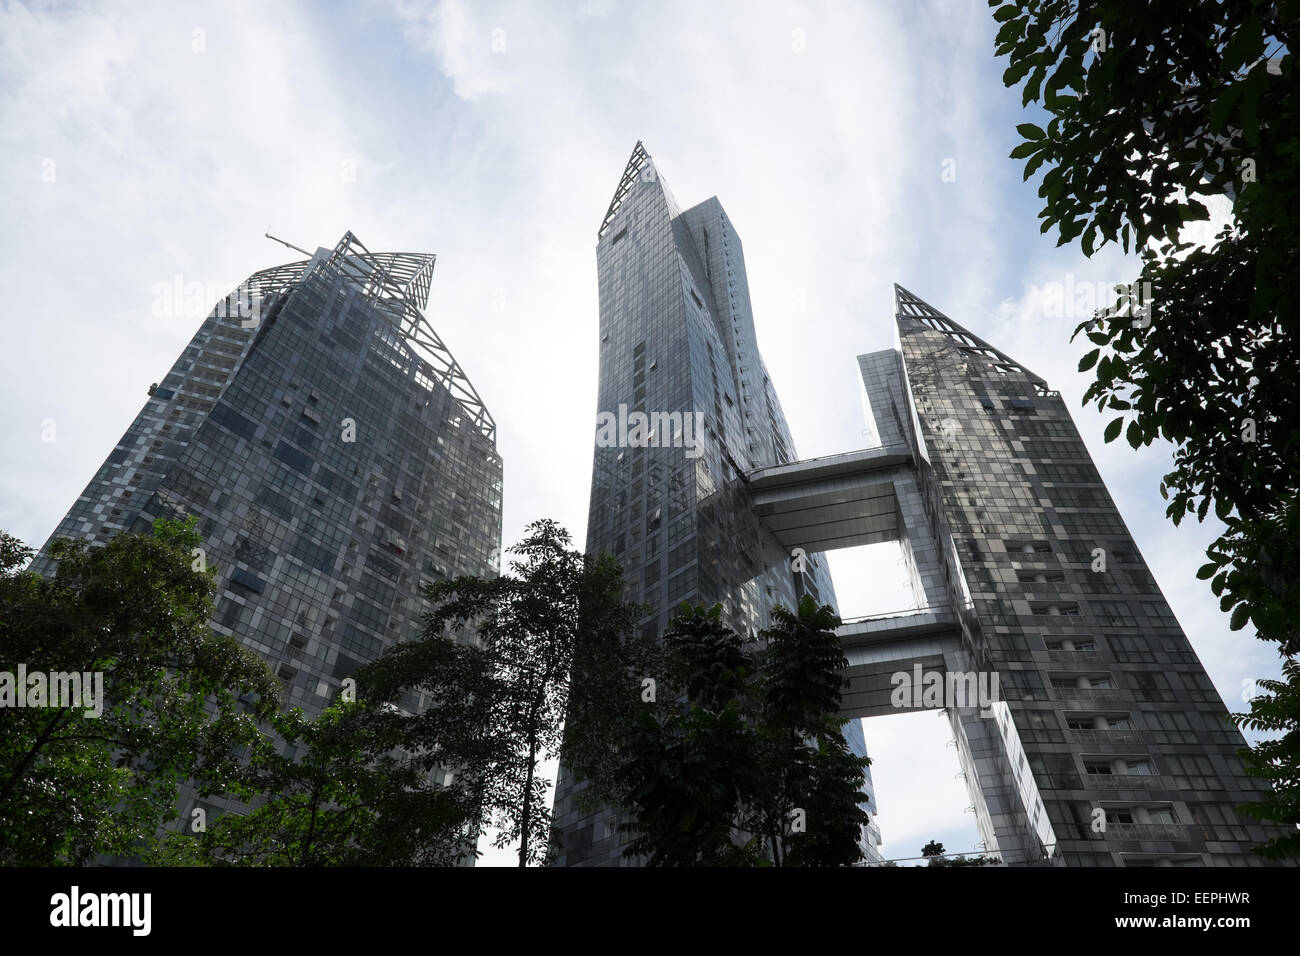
[
  {"x": 913, "y": 308},
  {"x": 638, "y": 161}
]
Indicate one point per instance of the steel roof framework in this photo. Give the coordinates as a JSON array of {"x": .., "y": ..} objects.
[
  {"x": 910, "y": 306},
  {"x": 638, "y": 161},
  {"x": 397, "y": 284}
]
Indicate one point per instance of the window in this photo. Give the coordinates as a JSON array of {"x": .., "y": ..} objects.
[{"x": 1113, "y": 613}]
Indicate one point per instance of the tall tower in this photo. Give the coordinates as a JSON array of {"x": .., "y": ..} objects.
[
  {"x": 677, "y": 339},
  {"x": 335, "y": 454},
  {"x": 1108, "y": 747}
]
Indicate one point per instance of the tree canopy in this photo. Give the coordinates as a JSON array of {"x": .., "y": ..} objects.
[
  {"x": 178, "y": 701},
  {"x": 737, "y": 756}
]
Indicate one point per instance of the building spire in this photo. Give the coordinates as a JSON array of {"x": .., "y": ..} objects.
[
  {"x": 638, "y": 161},
  {"x": 911, "y": 307}
]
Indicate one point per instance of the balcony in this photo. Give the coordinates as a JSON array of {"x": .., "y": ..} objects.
[
  {"x": 1060, "y": 656},
  {"x": 1043, "y": 588},
  {"x": 1090, "y": 693},
  {"x": 1094, "y": 736},
  {"x": 1122, "y": 781},
  {"x": 1148, "y": 831}
]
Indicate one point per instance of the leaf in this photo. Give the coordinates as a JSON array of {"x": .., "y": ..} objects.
[
  {"x": 1134, "y": 434},
  {"x": 1112, "y": 430},
  {"x": 1089, "y": 360},
  {"x": 1086, "y": 242},
  {"x": 1239, "y": 617},
  {"x": 1254, "y": 87},
  {"x": 1023, "y": 150},
  {"x": 1035, "y": 161},
  {"x": 1223, "y": 106},
  {"x": 1245, "y": 44},
  {"x": 1016, "y": 72},
  {"x": 1206, "y": 571},
  {"x": 1030, "y": 131}
]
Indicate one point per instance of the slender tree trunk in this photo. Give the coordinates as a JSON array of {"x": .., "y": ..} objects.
[{"x": 526, "y": 817}]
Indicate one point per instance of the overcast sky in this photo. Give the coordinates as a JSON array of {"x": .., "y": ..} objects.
[{"x": 143, "y": 141}]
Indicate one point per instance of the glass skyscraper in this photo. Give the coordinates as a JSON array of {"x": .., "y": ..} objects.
[
  {"x": 677, "y": 340},
  {"x": 336, "y": 457},
  {"x": 1110, "y": 733}
]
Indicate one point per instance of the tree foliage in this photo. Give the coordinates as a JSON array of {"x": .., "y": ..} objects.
[
  {"x": 936, "y": 855},
  {"x": 740, "y": 758},
  {"x": 448, "y": 732},
  {"x": 355, "y": 789},
  {"x": 1154, "y": 107},
  {"x": 1275, "y": 759},
  {"x": 73, "y": 785},
  {"x": 529, "y": 627}
]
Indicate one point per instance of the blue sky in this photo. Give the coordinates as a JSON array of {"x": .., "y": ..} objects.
[{"x": 493, "y": 134}]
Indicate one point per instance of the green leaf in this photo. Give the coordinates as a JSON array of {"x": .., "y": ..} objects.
[
  {"x": 1112, "y": 430},
  {"x": 1223, "y": 106},
  {"x": 1240, "y": 617},
  {"x": 1035, "y": 161},
  {"x": 1030, "y": 131},
  {"x": 1134, "y": 434},
  {"x": 1206, "y": 571},
  {"x": 1245, "y": 44},
  {"x": 1016, "y": 72},
  {"x": 1089, "y": 360}
]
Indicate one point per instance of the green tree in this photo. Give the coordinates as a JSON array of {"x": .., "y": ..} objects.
[
  {"x": 446, "y": 732},
  {"x": 528, "y": 627},
  {"x": 1153, "y": 107},
  {"x": 740, "y": 760},
  {"x": 1275, "y": 758},
  {"x": 73, "y": 785},
  {"x": 814, "y": 777},
  {"x": 690, "y": 767},
  {"x": 936, "y": 855},
  {"x": 355, "y": 789}
]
